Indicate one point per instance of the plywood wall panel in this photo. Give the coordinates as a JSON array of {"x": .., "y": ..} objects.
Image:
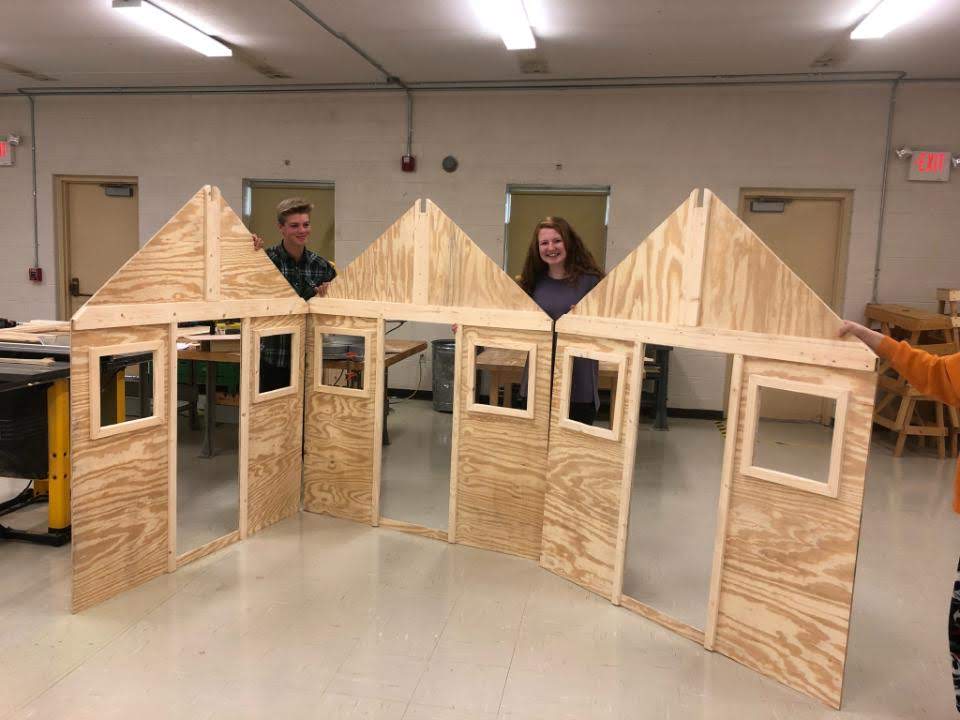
[
  {"x": 339, "y": 462},
  {"x": 582, "y": 506},
  {"x": 461, "y": 274},
  {"x": 789, "y": 556},
  {"x": 169, "y": 268},
  {"x": 246, "y": 273},
  {"x": 647, "y": 285},
  {"x": 119, "y": 484},
  {"x": 275, "y": 444},
  {"x": 502, "y": 461},
  {"x": 384, "y": 271},
  {"x": 747, "y": 287}
]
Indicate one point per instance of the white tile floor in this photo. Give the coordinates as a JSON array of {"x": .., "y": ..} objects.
[{"x": 322, "y": 618}]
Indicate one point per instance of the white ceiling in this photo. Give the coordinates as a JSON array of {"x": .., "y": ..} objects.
[{"x": 87, "y": 43}]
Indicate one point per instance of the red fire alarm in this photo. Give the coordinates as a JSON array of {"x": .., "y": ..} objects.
[
  {"x": 36, "y": 274},
  {"x": 408, "y": 163}
]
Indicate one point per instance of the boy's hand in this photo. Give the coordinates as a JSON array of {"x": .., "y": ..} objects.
[{"x": 257, "y": 242}]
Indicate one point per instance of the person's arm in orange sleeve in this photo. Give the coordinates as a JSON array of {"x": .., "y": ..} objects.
[{"x": 934, "y": 375}]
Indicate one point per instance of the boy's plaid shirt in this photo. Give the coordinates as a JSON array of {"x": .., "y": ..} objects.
[{"x": 303, "y": 276}]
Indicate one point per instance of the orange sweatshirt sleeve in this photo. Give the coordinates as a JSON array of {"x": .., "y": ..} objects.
[{"x": 934, "y": 375}]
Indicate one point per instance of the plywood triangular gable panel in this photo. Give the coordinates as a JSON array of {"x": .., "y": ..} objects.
[
  {"x": 246, "y": 273},
  {"x": 169, "y": 268},
  {"x": 204, "y": 252},
  {"x": 425, "y": 259},
  {"x": 384, "y": 271},
  {"x": 704, "y": 267},
  {"x": 647, "y": 285},
  {"x": 747, "y": 287}
]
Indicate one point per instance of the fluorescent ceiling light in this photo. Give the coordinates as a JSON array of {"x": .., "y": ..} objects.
[
  {"x": 509, "y": 19},
  {"x": 157, "y": 20},
  {"x": 887, "y": 16}
]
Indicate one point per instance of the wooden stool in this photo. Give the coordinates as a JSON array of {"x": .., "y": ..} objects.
[{"x": 949, "y": 302}]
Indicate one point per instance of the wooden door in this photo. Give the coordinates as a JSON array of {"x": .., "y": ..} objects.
[
  {"x": 120, "y": 480},
  {"x": 786, "y": 545},
  {"x": 501, "y": 447},
  {"x": 260, "y": 212},
  {"x": 585, "y": 211},
  {"x": 589, "y": 471},
  {"x": 98, "y": 234},
  {"x": 343, "y": 425}
]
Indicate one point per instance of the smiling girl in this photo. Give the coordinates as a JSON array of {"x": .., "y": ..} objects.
[{"x": 558, "y": 272}]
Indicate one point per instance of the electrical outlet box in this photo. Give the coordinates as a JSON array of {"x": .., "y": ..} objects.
[{"x": 36, "y": 274}]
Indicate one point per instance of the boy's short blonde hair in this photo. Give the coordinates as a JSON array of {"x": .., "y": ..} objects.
[{"x": 292, "y": 206}]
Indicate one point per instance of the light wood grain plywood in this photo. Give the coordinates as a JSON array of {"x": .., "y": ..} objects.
[
  {"x": 747, "y": 287},
  {"x": 120, "y": 484},
  {"x": 789, "y": 556},
  {"x": 384, "y": 271},
  {"x": 583, "y": 494},
  {"x": 275, "y": 444},
  {"x": 462, "y": 275},
  {"x": 169, "y": 268},
  {"x": 341, "y": 432},
  {"x": 502, "y": 464},
  {"x": 648, "y": 284},
  {"x": 244, "y": 272}
]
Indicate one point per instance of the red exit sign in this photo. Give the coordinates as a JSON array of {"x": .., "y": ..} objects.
[{"x": 930, "y": 165}]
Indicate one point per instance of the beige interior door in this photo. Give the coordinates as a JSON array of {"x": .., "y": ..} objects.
[
  {"x": 585, "y": 211},
  {"x": 809, "y": 236},
  {"x": 262, "y": 216},
  {"x": 99, "y": 233}
]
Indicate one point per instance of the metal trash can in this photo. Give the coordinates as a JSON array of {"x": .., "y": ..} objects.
[{"x": 444, "y": 362}]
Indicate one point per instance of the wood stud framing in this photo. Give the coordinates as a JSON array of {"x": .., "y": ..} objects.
[
  {"x": 831, "y": 486},
  {"x": 701, "y": 280}
]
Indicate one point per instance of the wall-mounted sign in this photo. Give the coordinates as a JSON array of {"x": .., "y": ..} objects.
[{"x": 930, "y": 166}]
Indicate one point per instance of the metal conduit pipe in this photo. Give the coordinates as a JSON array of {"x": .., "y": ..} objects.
[
  {"x": 33, "y": 159},
  {"x": 883, "y": 186}
]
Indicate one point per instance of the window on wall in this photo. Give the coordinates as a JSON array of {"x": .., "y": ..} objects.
[
  {"x": 591, "y": 391},
  {"x": 587, "y": 209},
  {"x": 277, "y": 362},
  {"x": 802, "y": 454},
  {"x": 125, "y": 388},
  {"x": 499, "y": 378},
  {"x": 342, "y": 361}
]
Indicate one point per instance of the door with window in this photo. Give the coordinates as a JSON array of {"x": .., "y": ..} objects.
[
  {"x": 98, "y": 231},
  {"x": 586, "y": 209},
  {"x": 260, "y": 200}
]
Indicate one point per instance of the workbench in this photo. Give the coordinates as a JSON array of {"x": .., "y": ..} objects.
[
  {"x": 25, "y": 370},
  {"x": 897, "y": 406}
]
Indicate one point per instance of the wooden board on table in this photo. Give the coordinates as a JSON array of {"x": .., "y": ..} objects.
[
  {"x": 906, "y": 317},
  {"x": 502, "y": 461},
  {"x": 582, "y": 506},
  {"x": 275, "y": 444},
  {"x": 789, "y": 557},
  {"x": 119, "y": 484},
  {"x": 341, "y": 462}
]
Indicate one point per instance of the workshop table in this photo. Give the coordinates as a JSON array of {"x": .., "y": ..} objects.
[
  {"x": 213, "y": 349},
  {"x": 922, "y": 329},
  {"x": 22, "y": 372}
]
